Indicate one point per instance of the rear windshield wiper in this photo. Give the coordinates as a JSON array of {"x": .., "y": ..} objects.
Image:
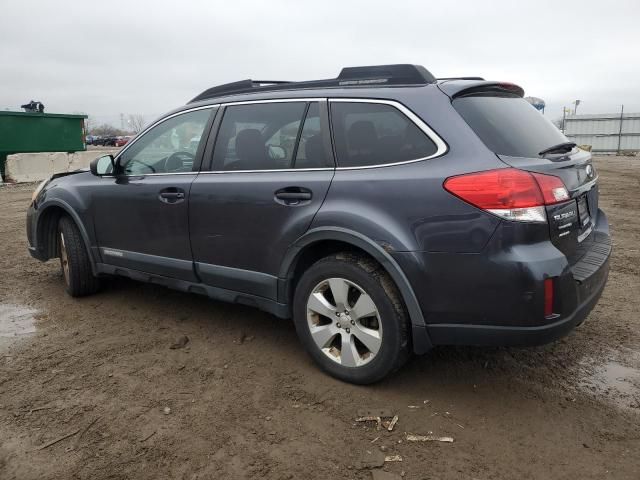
[{"x": 563, "y": 147}]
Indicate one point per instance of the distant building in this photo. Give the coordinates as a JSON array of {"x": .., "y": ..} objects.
[{"x": 605, "y": 132}]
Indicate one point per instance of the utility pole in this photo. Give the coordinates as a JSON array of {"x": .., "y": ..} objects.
[
  {"x": 576, "y": 103},
  {"x": 564, "y": 116},
  {"x": 620, "y": 131}
]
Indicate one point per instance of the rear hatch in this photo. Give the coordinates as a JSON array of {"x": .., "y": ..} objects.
[{"x": 519, "y": 135}]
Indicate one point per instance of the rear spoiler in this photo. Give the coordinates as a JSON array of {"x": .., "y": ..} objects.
[{"x": 461, "y": 88}]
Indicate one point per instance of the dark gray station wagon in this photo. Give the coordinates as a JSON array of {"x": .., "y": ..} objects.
[{"x": 385, "y": 211}]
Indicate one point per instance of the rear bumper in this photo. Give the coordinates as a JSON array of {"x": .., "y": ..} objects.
[
  {"x": 492, "y": 335},
  {"x": 496, "y": 298}
]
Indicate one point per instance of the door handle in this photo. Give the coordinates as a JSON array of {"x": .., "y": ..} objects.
[
  {"x": 293, "y": 196},
  {"x": 171, "y": 195}
]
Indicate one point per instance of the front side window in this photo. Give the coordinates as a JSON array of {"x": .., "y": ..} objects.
[
  {"x": 368, "y": 134},
  {"x": 169, "y": 147}
]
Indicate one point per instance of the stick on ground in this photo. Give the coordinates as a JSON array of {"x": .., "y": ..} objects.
[
  {"x": 86, "y": 429},
  {"x": 53, "y": 442}
]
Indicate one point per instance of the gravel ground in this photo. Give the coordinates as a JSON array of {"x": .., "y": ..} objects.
[{"x": 242, "y": 400}]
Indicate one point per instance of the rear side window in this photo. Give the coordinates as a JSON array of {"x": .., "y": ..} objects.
[
  {"x": 260, "y": 136},
  {"x": 369, "y": 134},
  {"x": 311, "y": 151},
  {"x": 508, "y": 125},
  {"x": 270, "y": 136}
]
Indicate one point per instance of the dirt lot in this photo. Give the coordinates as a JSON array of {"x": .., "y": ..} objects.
[{"x": 101, "y": 369}]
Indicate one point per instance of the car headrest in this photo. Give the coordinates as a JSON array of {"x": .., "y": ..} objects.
[
  {"x": 250, "y": 146},
  {"x": 362, "y": 135}
]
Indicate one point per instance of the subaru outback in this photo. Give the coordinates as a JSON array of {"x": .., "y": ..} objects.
[{"x": 385, "y": 211}]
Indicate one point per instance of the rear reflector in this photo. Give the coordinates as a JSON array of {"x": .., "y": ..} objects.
[
  {"x": 509, "y": 193},
  {"x": 548, "y": 297}
]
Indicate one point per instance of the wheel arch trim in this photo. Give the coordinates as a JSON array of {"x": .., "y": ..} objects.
[
  {"x": 421, "y": 341},
  {"x": 56, "y": 202}
]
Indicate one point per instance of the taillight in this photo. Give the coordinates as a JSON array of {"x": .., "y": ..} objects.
[
  {"x": 509, "y": 193},
  {"x": 552, "y": 188}
]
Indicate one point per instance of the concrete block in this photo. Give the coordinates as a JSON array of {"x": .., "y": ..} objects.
[
  {"x": 35, "y": 167},
  {"x": 80, "y": 160},
  {"x": 59, "y": 162},
  {"x": 28, "y": 167}
]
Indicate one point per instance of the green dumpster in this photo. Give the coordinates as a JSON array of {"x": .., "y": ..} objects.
[{"x": 24, "y": 132}]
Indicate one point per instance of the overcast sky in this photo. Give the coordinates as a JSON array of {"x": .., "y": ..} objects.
[{"x": 112, "y": 57}]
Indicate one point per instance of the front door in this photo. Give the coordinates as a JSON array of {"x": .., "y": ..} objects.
[
  {"x": 270, "y": 171},
  {"x": 141, "y": 214}
]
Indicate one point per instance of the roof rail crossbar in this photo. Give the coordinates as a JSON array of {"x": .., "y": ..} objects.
[
  {"x": 460, "y": 78},
  {"x": 241, "y": 86},
  {"x": 271, "y": 82},
  {"x": 376, "y": 75}
]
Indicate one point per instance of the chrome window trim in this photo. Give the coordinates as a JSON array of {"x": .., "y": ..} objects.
[
  {"x": 158, "y": 122},
  {"x": 161, "y": 174},
  {"x": 441, "y": 146},
  {"x": 150, "y": 174},
  {"x": 273, "y": 170},
  {"x": 275, "y": 100}
]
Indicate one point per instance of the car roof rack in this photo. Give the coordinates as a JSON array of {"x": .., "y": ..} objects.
[
  {"x": 460, "y": 78},
  {"x": 241, "y": 86},
  {"x": 375, "y": 75}
]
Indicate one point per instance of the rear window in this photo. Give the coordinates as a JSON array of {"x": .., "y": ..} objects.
[{"x": 508, "y": 125}]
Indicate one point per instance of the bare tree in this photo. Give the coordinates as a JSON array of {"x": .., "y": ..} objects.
[
  {"x": 106, "y": 130},
  {"x": 90, "y": 123},
  {"x": 136, "y": 122}
]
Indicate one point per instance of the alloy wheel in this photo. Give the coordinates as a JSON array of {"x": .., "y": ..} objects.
[
  {"x": 344, "y": 322},
  {"x": 64, "y": 259}
]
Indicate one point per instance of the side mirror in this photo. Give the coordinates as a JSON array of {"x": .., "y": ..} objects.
[{"x": 104, "y": 165}]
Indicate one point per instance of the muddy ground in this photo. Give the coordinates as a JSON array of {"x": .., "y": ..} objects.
[{"x": 101, "y": 369}]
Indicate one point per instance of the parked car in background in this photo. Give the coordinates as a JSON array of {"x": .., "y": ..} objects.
[
  {"x": 106, "y": 141},
  {"x": 110, "y": 141},
  {"x": 121, "y": 141},
  {"x": 385, "y": 211}
]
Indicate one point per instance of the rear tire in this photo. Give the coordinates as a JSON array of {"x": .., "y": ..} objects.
[
  {"x": 74, "y": 260},
  {"x": 350, "y": 318}
]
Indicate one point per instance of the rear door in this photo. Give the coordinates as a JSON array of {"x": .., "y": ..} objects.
[
  {"x": 269, "y": 172},
  {"x": 518, "y": 133}
]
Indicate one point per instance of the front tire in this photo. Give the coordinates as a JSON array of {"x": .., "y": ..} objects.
[
  {"x": 350, "y": 318},
  {"x": 74, "y": 260}
]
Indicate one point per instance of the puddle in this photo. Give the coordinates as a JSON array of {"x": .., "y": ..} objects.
[
  {"x": 16, "y": 321},
  {"x": 618, "y": 383}
]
